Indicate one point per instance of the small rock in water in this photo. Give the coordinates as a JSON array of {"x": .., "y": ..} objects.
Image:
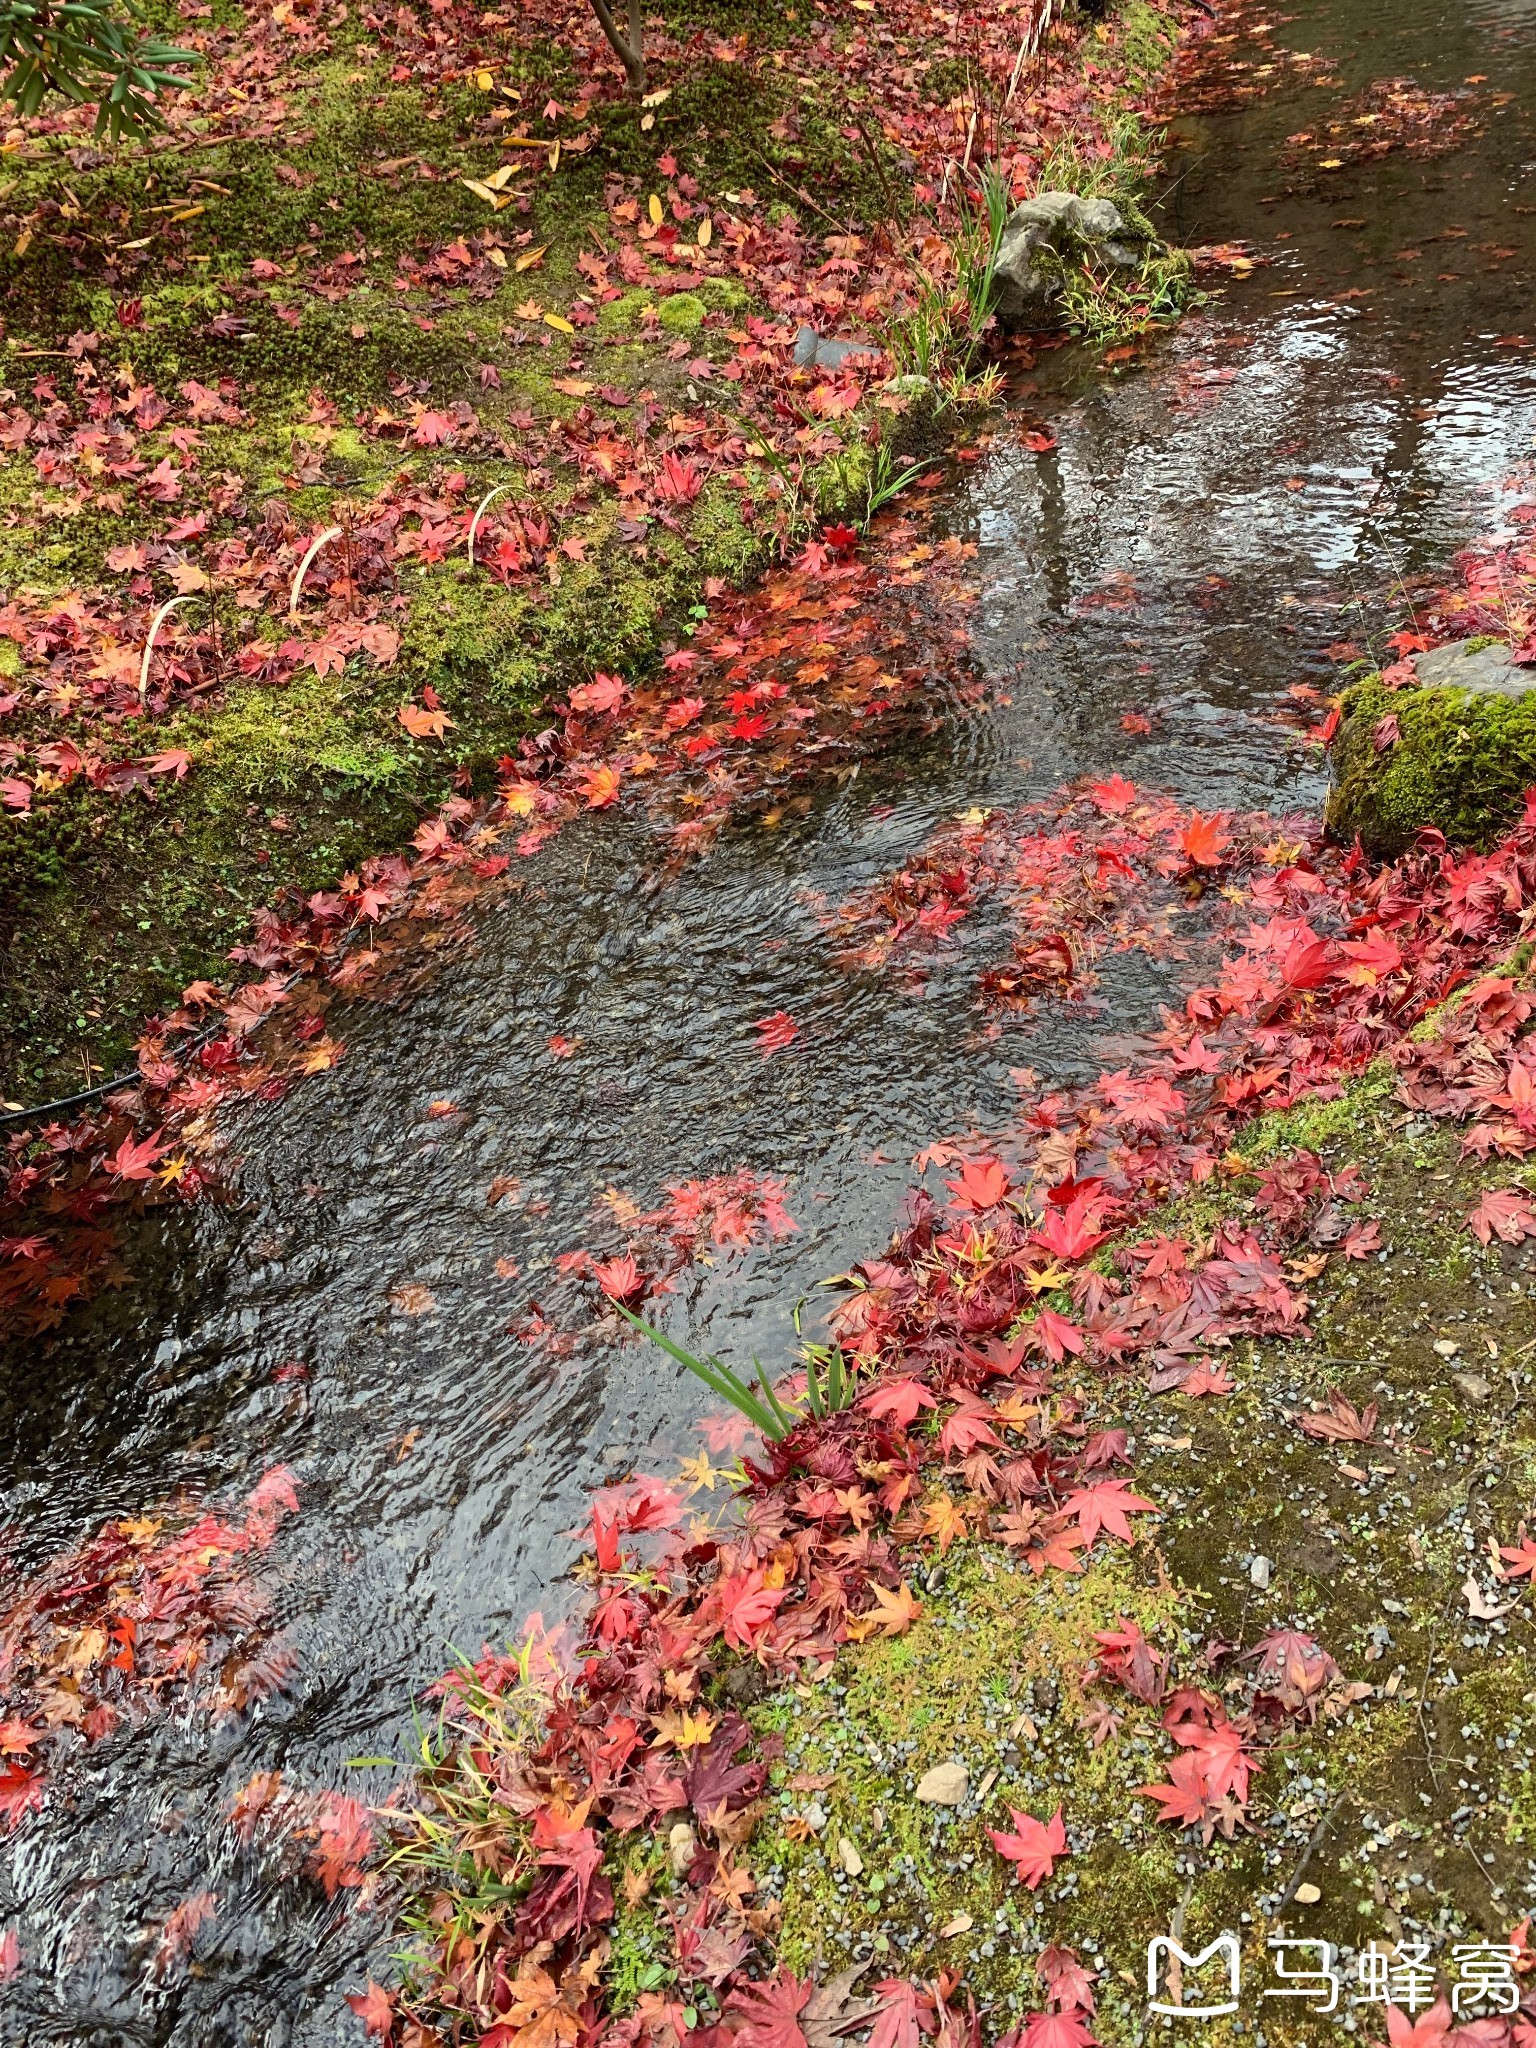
[
  {"x": 849, "y": 1857},
  {"x": 682, "y": 1847},
  {"x": 1259, "y": 1572},
  {"x": 815, "y": 351},
  {"x": 1306, "y": 1895},
  {"x": 944, "y": 1785}
]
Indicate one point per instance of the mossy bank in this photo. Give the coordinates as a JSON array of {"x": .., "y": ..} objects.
[
  {"x": 317, "y": 266},
  {"x": 1409, "y": 1813}
]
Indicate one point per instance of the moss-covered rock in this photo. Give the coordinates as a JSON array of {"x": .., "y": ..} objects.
[{"x": 1456, "y": 750}]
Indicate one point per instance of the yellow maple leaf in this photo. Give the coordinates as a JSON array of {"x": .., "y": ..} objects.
[
  {"x": 892, "y": 1614},
  {"x": 1015, "y": 1412},
  {"x": 943, "y": 1519}
]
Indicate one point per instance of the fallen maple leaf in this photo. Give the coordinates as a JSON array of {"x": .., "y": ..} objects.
[
  {"x": 983, "y": 1183},
  {"x": 376, "y": 2011},
  {"x": 424, "y": 725},
  {"x": 771, "y": 2011},
  {"x": 412, "y": 1299},
  {"x": 775, "y": 1032},
  {"x": 1184, "y": 1797},
  {"x": 1204, "y": 841},
  {"x": 137, "y": 1161},
  {"x": 620, "y": 1279},
  {"x": 1106, "y": 1506},
  {"x": 892, "y": 1614},
  {"x": 1341, "y": 1422},
  {"x": 601, "y": 787},
  {"x": 21, "y": 1793},
  {"x": 1057, "y": 2030},
  {"x": 1428, "y": 2031},
  {"x": 1033, "y": 1847},
  {"x": 1207, "y": 1378},
  {"x": 899, "y": 1399},
  {"x": 1503, "y": 1213},
  {"x": 1519, "y": 1563}
]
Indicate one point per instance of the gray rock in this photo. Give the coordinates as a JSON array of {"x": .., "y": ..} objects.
[
  {"x": 944, "y": 1785},
  {"x": 1260, "y": 1571},
  {"x": 814, "y": 351},
  {"x": 1057, "y": 224},
  {"x": 1486, "y": 670}
]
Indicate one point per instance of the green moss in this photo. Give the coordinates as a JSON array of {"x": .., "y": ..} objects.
[
  {"x": 991, "y": 1675},
  {"x": 1462, "y": 762},
  {"x": 683, "y": 313}
]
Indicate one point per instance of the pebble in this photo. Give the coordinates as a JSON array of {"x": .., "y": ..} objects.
[
  {"x": 682, "y": 1847},
  {"x": 1446, "y": 1347},
  {"x": 1260, "y": 1571},
  {"x": 944, "y": 1785},
  {"x": 849, "y": 1857},
  {"x": 1306, "y": 1895},
  {"x": 1472, "y": 1384}
]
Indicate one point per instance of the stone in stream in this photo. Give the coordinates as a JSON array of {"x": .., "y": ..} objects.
[
  {"x": 815, "y": 351},
  {"x": 1455, "y": 748},
  {"x": 1043, "y": 236}
]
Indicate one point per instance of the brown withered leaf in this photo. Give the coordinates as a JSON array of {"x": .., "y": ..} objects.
[{"x": 1341, "y": 1422}]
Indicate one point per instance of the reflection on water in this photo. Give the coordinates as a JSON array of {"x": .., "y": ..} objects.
[{"x": 1209, "y": 525}]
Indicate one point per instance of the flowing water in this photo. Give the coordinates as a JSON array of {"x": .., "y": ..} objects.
[{"x": 1215, "y": 517}]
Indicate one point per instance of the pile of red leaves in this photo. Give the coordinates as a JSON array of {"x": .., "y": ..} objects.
[{"x": 146, "y": 1613}]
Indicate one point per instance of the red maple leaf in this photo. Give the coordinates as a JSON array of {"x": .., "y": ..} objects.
[
  {"x": 1184, "y": 1798},
  {"x": 747, "y": 1605},
  {"x": 906, "y": 2013},
  {"x": 1114, "y": 796},
  {"x": 1067, "y": 1984},
  {"x": 374, "y": 2008},
  {"x": 21, "y": 1793},
  {"x": 1519, "y": 1561},
  {"x": 775, "y": 1032},
  {"x": 1428, "y": 2031},
  {"x": 620, "y": 1278},
  {"x": 1054, "y": 1335},
  {"x": 1057, "y": 2030},
  {"x": 1370, "y": 959},
  {"x": 983, "y": 1183},
  {"x": 1207, "y": 1378},
  {"x": 1226, "y": 1765},
  {"x": 1105, "y": 1505},
  {"x": 1033, "y": 1847},
  {"x": 771, "y": 2011},
  {"x": 1204, "y": 841},
  {"x": 1505, "y": 1213},
  {"x": 969, "y": 1426},
  {"x": 899, "y": 1399},
  {"x": 137, "y": 1161}
]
